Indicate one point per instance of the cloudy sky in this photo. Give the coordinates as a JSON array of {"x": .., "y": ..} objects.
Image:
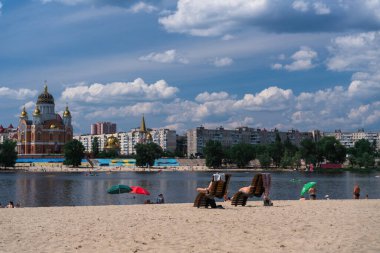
[{"x": 303, "y": 64}]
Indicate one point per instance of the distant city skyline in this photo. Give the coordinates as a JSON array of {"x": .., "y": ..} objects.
[{"x": 291, "y": 64}]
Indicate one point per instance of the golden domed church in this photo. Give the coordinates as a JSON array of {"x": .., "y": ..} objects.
[
  {"x": 46, "y": 132},
  {"x": 112, "y": 144}
]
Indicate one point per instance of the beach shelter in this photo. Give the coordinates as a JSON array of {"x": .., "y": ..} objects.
[
  {"x": 139, "y": 190},
  {"x": 307, "y": 186},
  {"x": 119, "y": 188}
]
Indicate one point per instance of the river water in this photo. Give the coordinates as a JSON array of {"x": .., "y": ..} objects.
[{"x": 77, "y": 189}]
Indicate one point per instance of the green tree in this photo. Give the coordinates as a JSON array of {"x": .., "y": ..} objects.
[
  {"x": 95, "y": 147},
  {"x": 261, "y": 149},
  {"x": 214, "y": 153},
  {"x": 290, "y": 147},
  {"x": 74, "y": 153},
  {"x": 297, "y": 159},
  {"x": 363, "y": 146},
  {"x": 265, "y": 160},
  {"x": 330, "y": 149},
  {"x": 362, "y": 154},
  {"x": 8, "y": 154},
  {"x": 365, "y": 160},
  {"x": 287, "y": 160},
  {"x": 276, "y": 150},
  {"x": 168, "y": 153},
  {"x": 111, "y": 153},
  {"x": 308, "y": 151},
  {"x": 241, "y": 154},
  {"x": 147, "y": 153}
]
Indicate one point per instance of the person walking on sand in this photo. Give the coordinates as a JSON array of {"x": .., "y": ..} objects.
[
  {"x": 312, "y": 193},
  {"x": 356, "y": 193}
]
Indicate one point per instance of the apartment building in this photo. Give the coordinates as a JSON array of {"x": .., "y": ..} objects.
[
  {"x": 127, "y": 140},
  {"x": 348, "y": 139},
  {"x": 198, "y": 137},
  {"x": 103, "y": 128}
]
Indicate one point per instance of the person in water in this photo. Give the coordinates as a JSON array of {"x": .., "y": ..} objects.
[
  {"x": 312, "y": 193},
  {"x": 356, "y": 193}
]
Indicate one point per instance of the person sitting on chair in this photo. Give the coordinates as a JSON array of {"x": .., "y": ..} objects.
[
  {"x": 246, "y": 189},
  {"x": 205, "y": 190}
]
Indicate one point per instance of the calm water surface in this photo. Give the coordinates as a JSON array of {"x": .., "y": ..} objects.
[{"x": 68, "y": 189}]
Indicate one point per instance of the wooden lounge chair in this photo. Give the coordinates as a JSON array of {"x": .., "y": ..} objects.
[
  {"x": 256, "y": 190},
  {"x": 217, "y": 190}
]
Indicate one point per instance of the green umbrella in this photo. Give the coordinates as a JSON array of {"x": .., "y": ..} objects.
[
  {"x": 119, "y": 188},
  {"x": 307, "y": 186}
]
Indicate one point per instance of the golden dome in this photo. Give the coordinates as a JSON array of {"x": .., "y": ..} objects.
[
  {"x": 52, "y": 126},
  {"x": 149, "y": 137},
  {"x": 37, "y": 111},
  {"x": 45, "y": 97},
  {"x": 23, "y": 113},
  {"x": 66, "y": 113},
  {"x": 112, "y": 143}
]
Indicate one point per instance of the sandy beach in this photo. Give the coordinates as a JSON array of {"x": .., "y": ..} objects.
[{"x": 288, "y": 226}]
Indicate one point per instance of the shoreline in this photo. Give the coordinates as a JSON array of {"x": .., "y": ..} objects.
[
  {"x": 133, "y": 169},
  {"x": 288, "y": 226},
  {"x": 112, "y": 169}
]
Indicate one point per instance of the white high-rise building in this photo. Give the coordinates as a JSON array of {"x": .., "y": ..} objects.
[
  {"x": 348, "y": 139},
  {"x": 165, "y": 138}
]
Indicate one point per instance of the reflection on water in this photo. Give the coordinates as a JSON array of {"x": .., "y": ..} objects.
[{"x": 67, "y": 189}]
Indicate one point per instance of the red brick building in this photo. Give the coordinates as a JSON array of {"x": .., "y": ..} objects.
[{"x": 47, "y": 132}]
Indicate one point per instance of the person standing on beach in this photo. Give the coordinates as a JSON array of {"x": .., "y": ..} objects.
[
  {"x": 356, "y": 193},
  {"x": 312, "y": 193}
]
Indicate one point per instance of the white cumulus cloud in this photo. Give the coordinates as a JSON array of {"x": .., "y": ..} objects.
[
  {"x": 28, "y": 105},
  {"x": 277, "y": 66},
  {"x": 355, "y": 52},
  {"x": 211, "y": 18},
  {"x": 117, "y": 91},
  {"x": 360, "y": 53},
  {"x": 321, "y": 8},
  {"x": 222, "y": 62},
  {"x": 143, "y": 7},
  {"x": 302, "y": 60},
  {"x": 205, "y": 96},
  {"x": 168, "y": 56},
  {"x": 272, "y": 98},
  {"x": 300, "y": 5},
  {"x": 19, "y": 94},
  {"x": 67, "y": 2}
]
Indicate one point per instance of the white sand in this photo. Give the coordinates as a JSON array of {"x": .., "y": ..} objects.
[{"x": 288, "y": 226}]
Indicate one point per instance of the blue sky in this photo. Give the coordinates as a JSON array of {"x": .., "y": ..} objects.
[{"x": 300, "y": 64}]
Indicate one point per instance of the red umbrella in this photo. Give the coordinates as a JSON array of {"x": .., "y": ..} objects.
[{"x": 139, "y": 190}]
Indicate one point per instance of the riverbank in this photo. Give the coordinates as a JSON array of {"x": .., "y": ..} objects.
[
  {"x": 110, "y": 169},
  {"x": 288, "y": 226},
  {"x": 58, "y": 168}
]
